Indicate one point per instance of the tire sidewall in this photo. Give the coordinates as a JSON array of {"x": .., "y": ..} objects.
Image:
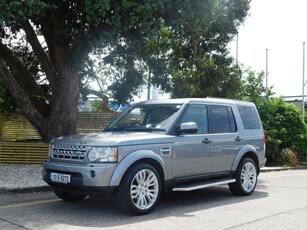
[
  {"x": 124, "y": 195},
  {"x": 239, "y": 172}
]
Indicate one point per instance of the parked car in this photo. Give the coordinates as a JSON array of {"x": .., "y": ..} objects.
[{"x": 161, "y": 145}]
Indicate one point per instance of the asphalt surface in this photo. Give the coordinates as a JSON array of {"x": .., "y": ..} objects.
[
  {"x": 279, "y": 203},
  {"x": 25, "y": 178}
]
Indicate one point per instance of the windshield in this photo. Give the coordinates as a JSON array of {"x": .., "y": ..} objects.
[{"x": 153, "y": 117}]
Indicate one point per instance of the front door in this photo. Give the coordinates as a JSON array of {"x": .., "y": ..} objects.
[{"x": 193, "y": 153}]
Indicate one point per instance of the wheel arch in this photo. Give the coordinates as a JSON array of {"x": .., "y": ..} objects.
[
  {"x": 246, "y": 151},
  {"x": 137, "y": 157}
]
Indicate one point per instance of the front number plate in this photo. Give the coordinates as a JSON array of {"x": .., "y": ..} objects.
[{"x": 61, "y": 178}]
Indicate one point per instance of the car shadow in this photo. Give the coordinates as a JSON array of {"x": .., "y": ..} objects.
[{"x": 103, "y": 212}]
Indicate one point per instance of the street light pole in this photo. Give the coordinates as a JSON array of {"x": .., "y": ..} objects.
[
  {"x": 266, "y": 68},
  {"x": 304, "y": 83},
  {"x": 237, "y": 50}
]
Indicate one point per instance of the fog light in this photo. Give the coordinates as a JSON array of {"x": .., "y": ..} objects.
[{"x": 92, "y": 173}]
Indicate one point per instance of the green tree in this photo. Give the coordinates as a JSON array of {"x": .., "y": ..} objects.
[
  {"x": 188, "y": 57},
  {"x": 61, "y": 35},
  {"x": 196, "y": 49}
]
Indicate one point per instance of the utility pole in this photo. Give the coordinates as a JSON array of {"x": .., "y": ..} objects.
[
  {"x": 237, "y": 50},
  {"x": 266, "y": 68},
  {"x": 304, "y": 83}
]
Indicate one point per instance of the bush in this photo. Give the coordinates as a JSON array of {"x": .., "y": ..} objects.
[
  {"x": 286, "y": 133},
  {"x": 284, "y": 129}
]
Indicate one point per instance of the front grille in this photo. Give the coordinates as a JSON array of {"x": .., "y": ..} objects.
[{"x": 69, "y": 152}]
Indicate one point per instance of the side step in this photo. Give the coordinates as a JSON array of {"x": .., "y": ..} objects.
[{"x": 201, "y": 185}]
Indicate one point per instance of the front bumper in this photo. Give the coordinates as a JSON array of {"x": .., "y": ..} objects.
[{"x": 86, "y": 178}]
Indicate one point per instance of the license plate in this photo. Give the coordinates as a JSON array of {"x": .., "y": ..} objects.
[{"x": 61, "y": 178}]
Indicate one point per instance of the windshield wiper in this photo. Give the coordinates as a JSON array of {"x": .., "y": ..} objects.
[{"x": 144, "y": 129}]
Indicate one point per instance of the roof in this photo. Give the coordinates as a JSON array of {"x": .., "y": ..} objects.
[{"x": 189, "y": 100}]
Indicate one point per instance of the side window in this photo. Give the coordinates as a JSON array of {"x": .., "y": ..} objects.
[
  {"x": 222, "y": 119},
  {"x": 199, "y": 115},
  {"x": 249, "y": 117}
]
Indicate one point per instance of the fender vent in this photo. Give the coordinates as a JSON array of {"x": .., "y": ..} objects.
[{"x": 166, "y": 150}]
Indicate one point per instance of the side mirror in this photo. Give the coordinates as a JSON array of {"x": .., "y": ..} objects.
[{"x": 188, "y": 127}]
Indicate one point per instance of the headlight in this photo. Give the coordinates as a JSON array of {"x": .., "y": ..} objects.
[{"x": 103, "y": 154}]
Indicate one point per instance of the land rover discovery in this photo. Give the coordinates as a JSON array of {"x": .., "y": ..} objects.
[{"x": 160, "y": 146}]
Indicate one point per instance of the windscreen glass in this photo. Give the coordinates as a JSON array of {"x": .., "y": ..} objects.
[{"x": 153, "y": 117}]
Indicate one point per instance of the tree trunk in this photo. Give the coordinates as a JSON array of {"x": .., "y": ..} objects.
[{"x": 62, "y": 118}]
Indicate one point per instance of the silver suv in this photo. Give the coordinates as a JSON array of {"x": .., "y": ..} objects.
[{"x": 162, "y": 145}]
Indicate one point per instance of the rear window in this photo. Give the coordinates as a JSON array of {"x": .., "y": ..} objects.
[
  {"x": 222, "y": 119},
  {"x": 249, "y": 117}
]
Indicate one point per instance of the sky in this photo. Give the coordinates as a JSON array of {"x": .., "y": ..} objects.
[{"x": 281, "y": 27}]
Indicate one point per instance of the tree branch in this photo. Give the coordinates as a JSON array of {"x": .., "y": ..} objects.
[
  {"x": 104, "y": 98},
  {"x": 40, "y": 53},
  {"x": 52, "y": 29},
  {"x": 21, "y": 97},
  {"x": 24, "y": 79}
]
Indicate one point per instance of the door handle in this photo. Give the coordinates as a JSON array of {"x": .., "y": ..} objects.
[
  {"x": 238, "y": 139},
  {"x": 206, "y": 141}
]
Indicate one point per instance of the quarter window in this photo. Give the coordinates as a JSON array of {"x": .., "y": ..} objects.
[{"x": 249, "y": 117}]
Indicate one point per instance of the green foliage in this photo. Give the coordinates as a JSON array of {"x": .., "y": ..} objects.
[
  {"x": 7, "y": 103},
  {"x": 281, "y": 121},
  {"x": 97, "y": 105},
  {"x": 15, "y": 12},
  {"x": 188, "y": 55},
  {"x": 285, "y": 129},
  {"x": 184, "y": 39},
  {"x": 197, "y": 41},
  {"x": 213, "y": 76},
  {"x": 126, "y": 85},
  {"x": 140, "y": 42},
  {"x": 58, "y": 37}
]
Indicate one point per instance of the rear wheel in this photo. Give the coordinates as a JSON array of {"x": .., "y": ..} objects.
[
  {"x": 246, "y": 178},
  {"x": 140, "y": 189},
  {"x": 68, "y": 196}
]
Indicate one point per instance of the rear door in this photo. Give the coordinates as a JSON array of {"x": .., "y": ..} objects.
[{"x": 227, "y": 139}]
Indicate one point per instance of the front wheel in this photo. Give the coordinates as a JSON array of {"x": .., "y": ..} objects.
[
  {"x": 246, "y": 178},
  {"x": 140, "y": 189},
  {"x": 68, "y": 196}
]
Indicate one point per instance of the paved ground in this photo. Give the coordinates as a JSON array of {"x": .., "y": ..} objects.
[
  {"x": 20, "y": 178},
  {"x": 279, "y": 203}
]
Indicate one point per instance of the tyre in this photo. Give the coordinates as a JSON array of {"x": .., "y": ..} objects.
[
  {"x": 140, "y": 189},
  {"x": 246, "y": 178},
  {"x": 68, "y": 196}
]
